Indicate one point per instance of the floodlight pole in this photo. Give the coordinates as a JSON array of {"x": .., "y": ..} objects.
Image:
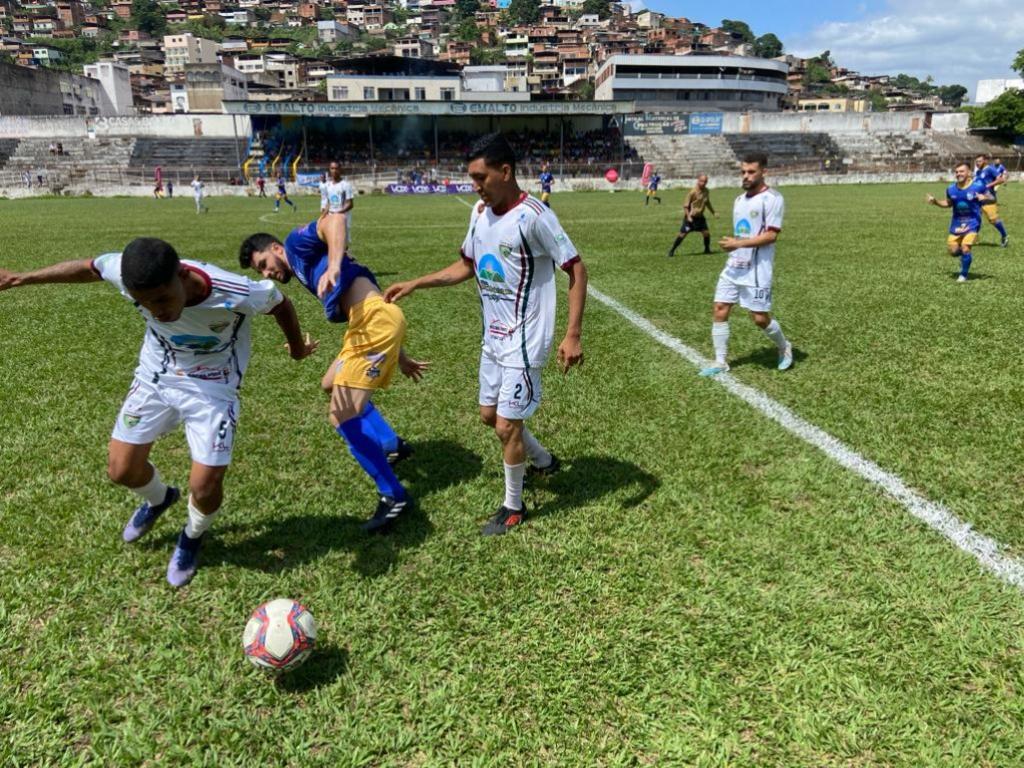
[
  {"x": 234, "y": 128},
  {"x": 561, "y": 146}
]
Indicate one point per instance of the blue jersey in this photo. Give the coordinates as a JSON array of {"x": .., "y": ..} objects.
[
  {"x": 546, "y": 180},
  {"x": 281, "y": 188},
  {"x": 986, "y": 176},
  {"x": 654, "y": 182},
  {"x": 966, "y": 207},
  {"x": 307, "y": 256}
]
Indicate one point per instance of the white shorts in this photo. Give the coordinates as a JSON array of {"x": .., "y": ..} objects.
[
  {"x": 149, "y": 412},
  {"x": 516, "y": 391},
  {"x": 747, "y": 296}
]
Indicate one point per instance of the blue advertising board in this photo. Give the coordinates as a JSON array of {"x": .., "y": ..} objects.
[{"x": 706, "y": 123}]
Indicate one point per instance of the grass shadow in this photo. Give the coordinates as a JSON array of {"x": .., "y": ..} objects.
[
  {"x": 766, "y": 357},
  {"x": 326, "y": 665},
  {"x": 589, "y": 478},
  {"x": 290, "y": 540}
]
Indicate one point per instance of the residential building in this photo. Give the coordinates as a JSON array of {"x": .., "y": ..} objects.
[
  {"x": 988, "y": 90},
  {"x": 332, "y": 31},
  {"x": 393, "y": 78},
  {"x": 186, "y": 48},
  {"x": 833, "y": 105},
  {"x": 413, "y": 46},
  {"x": 116, "y": 82}
]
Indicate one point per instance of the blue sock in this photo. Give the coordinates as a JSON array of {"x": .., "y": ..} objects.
[
  {"x": 386, "y": 437},
  {"x": 363, "y": 445},
  {"x": 965, "y": 262},
  {"x": 1002, "y": 230}
]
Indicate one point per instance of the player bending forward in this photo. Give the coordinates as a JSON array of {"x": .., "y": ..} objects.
[
  {"x": 966, "y": 197},
  {"x": 512, "y": 247},
  {"x": 372, "y": 349},
  {"x": 747, "y": 277},
  {"x": 195, "y": 351}
]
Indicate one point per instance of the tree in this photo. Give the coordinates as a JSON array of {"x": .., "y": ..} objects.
[
  {"x": 952, "y": 95},
  {"x": 1018, "y": 63},
  {"x": 740, "y": 28},
  {"x": 149, "y": 17},
  {"x": 467, "y": 8},
  {"x": 768, "y": 46},
  {"x": 878, "y": 101},
  {"x": 524, "y": 11},
  {"x": 1005, "y": 114},
  {"x": 467, "y": 31},
  {"x": 601, "y": 7},
  {"x": 479, "y": 56}
]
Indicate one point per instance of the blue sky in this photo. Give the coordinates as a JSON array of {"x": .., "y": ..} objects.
[{"x": 952, "y": 40}]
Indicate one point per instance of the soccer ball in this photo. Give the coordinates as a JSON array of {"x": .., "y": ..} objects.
[{"x": 280, "y": 635}]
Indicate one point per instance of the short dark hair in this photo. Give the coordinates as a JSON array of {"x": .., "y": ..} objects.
[
  {"x": 756, "y": 157},
  {"x": 148, "y": 262},
  {"x": 253, "y": 243},
  {"x": 981, "y": 154},
  {"x": 494, "y": 149},
  {"x": 964, "y": 164}
]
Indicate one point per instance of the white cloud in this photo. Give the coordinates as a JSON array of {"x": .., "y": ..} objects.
[{"x": 955, "y": 42}]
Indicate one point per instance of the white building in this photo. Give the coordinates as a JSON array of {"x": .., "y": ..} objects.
[
  {"x": 332, "y": 31},
  {"x": 992, "y": 89},
  {"x": 117, "y": 87},
  {"x": 359, "y": 87},
  {"x": 180, "y": 50}
]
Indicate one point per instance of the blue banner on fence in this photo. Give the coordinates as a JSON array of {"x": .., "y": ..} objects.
[
  {"x": 706, "y": 122},
  {"x": 308, "y": 179},
  {"x": 429, "y": 189}
]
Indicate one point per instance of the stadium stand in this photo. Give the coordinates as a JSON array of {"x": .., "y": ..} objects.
[{"x": 187, "y": 156}]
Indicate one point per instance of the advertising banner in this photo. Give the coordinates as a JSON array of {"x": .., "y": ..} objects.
[
  {"x": 429, "y": 189},
  {"x": 706, "y": 123}
]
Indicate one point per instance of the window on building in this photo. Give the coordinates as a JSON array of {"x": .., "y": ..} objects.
[
  {"x": 339, "y": 92},
  {"x": 447, "y": 94},
  {"x": 421, "y": 94},
  {"x": 369, "y": 93}
]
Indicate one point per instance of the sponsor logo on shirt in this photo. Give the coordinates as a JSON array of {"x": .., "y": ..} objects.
[
  {"x": 131, "y": 420},
  {"x": 218, "y": 327},
  {"x": 200, "y": 343},
  {"x": 743, "y": 228},
  {"x": 490, "y": 270}
]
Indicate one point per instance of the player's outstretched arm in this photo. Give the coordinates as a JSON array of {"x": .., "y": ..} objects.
[
  {"x": 297, "y": 345},
  {"x": 932, "y": 200},
  {"x": 570, "y": 351},
  {"x": 77, "y": 271},
  {"x": 454, "y": 273},
  {"x": 333, "y": 231},
  {"x": 413, "y": 369}
]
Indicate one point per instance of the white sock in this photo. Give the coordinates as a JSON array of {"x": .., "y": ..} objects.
[
  {"x": 774, "y": 332},
  {"x": 198, "y": 522},
  {"x": 720, "y": 341},
  {"x": 514, "y": 474},
  {"x": 154, "y": 491},
  {"x": 539, "y": 455}
]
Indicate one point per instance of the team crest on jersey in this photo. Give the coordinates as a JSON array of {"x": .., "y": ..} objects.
[
  {"x": 131, "y": 420},
  {"x": 218, "y": 327},
  {"x": 376, "y": 359},
  {"x": 200, "y": 343},
  {"x": 743, "y": 228},
  {"x": 754, "y": 214},
  {"x": 490, "y": 269}
]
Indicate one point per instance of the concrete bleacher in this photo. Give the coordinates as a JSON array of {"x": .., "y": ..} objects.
[
  {"x": 82, "y": 158},
  {"x": 7, "y": 148},
  {"x": 188, "y": 155},
  {"x": 685, "y": 156}
]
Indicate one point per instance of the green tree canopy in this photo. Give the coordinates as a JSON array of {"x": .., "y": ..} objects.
[
  {"x": 601, "y": 7},
  {"x": 524, "y": 11},
  {"x": 149, "y": 17},
  {"x": 741, "y": 28},
  {"x": 466, "y": 8},
  {"x": 1005, "y": 114},
  {"x": 952, "y": 95},
  {"x": 1018, "y": 63},
  {"x": 767, "y": 46}
]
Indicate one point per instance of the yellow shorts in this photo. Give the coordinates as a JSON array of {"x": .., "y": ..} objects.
[
  {"x": 369, "y": 353},
  {"x": 966, "y": 240},
  {"x": 545, "y": 196},
  {"x": 991, "y": 212}
]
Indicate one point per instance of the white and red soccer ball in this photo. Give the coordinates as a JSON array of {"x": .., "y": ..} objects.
[{"x": 280, "y": 635}]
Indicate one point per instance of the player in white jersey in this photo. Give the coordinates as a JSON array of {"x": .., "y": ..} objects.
[
  {"x": 337, "y": 196},
  {"x": 198, "y": 191},
  {"x": 512, "y": 247},
  {"x": 193, "y": 357},
  {"x": 747, "y": 277}
]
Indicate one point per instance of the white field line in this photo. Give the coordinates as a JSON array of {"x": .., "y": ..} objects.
[{"x": 985, "y": 550}]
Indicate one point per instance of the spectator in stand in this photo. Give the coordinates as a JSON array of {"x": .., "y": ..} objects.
[
  {"x": 53, "y": 148},
  {"x": 60, "y": 148},
  {"x": 26, "y": 179}
]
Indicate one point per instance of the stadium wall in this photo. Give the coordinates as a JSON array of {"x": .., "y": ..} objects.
[
  {"x": 214, "y": 126},
  {"x": 846, "y": 122}
]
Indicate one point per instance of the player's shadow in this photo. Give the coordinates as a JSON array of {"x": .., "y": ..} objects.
[
  {"x": 590, "y": 478},
  {"x": 766, "y": 357},
  {"x": 972, "y": 276},
  {"x": 326, "y": 665},
  {"x": 291, "y": 540}
]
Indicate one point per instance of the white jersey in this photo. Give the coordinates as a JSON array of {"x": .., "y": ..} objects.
[
  {"x": 752, "y": 216},
  {"x": 207, "y": 348},
  {"x": 197, "y": 189},
  {"x": 514, "y": 256},
  {"x": 333, "y": 196}
]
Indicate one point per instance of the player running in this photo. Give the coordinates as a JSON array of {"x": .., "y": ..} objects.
[
  {"x": 990, "y": 177},
  {"x": 696, "y": 202},
  {"x": 546, "y": 180},
  {"x": 337, "y": 196},
  {"x": 282, "y": 194},
  {"x": 747, "y": 277},
  {"x": 966, "y": 197},
  {"x": 512, "y": 248},
  {"x": 372, "y": 348},
  {"x": 198, "y": 191},
  {"x": 195, "y": 352},
  {"x": 652, "y": 188}
]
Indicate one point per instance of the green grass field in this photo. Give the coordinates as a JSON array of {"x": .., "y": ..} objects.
[{"x": 696, "y": 587}]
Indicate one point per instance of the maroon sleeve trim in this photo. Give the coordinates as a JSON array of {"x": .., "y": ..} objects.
[
  {"x": 565, "y": 267},
  {"x": 774, "y": 229},
  {"x": 462, "y": 253},
  {"x": 92, "y": 266}
]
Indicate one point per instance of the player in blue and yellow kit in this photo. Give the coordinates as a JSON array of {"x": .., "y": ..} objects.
[
  {"x": 966, "y": 198},
  {"x": 372, "y": 348},
  {"x": 652, "y": 188},
  {"x": 546, "y": 180},
  {"x": 282, "y": 194},
  {"x": 990, "y": 177}
]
